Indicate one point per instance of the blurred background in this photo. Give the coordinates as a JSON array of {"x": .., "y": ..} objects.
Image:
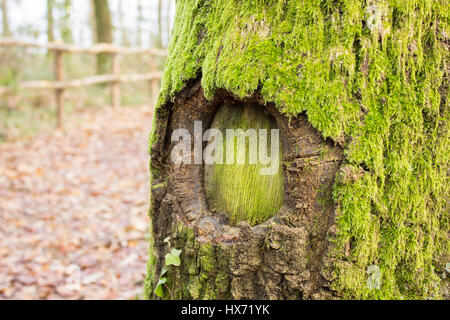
[{"x": 78, "y": 83}]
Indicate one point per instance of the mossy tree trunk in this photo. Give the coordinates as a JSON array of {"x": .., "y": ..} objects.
[{"x": 358, "y": 90}]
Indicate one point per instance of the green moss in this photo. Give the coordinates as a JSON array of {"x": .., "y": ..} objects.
[
  {"x": 203, "y": 273},
  {"x": 151, "y": 265},
  {"x": 384, "y": 89},
  {"x": 240, "y": 190}
]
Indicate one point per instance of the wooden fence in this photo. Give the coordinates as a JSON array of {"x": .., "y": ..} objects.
[{"x": 115, "y": 78}]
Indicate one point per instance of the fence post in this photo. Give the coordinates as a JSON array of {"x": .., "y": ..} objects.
[
  {"x": 154, "y": 83},
  {"x": 115, "y": 87},
  {"x": 59, "y": 92}
]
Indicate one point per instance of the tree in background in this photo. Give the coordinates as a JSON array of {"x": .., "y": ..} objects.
[
  {"x": 169, "y": 7},
  {"x": 103, "y": 27},
  {"x": 5, "y": 19},
  {"x": 65, "y": 22},
  {"x": 159, "y": 39},
  {"x": 65, "y": 10},
  {"x": 50, "y": 21},
  {"x": 140, "y": 20},
  {"x": 121, "y": 24}
]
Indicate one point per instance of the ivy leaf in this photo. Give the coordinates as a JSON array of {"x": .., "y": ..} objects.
[
  {"x": 173, "y": 258},
  {"x": 159, "y": 289}
]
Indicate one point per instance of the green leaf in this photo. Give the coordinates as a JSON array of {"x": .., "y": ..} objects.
[
  {"x": 173, "y": 258},
  {"x": 159, "y": 289}
]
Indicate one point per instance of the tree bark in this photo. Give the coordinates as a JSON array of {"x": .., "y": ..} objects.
[
  {"x": 104, "y": 33},
  {"x": 123, "y": 33},
  {"x": 5, "y": 19}
]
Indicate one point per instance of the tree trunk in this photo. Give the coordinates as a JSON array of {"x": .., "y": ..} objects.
[
  {"x": 248, "y": 254},
  {"x": 66, "y": 24},
  {"x": 123, "y": 32},
  {"x": 103, "y": 33},
  {"x": 5, "y": 19},
  {"x": 92, "y": 23},
  {"x": 168, "y": 24},
  {"x": 350, "y": 214},
  {"x": 140, "y": 20},
  {"x": 50, "y": 21}
]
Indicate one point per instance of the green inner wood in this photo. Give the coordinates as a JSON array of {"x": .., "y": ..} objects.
[{"x": 239, "y": 190}]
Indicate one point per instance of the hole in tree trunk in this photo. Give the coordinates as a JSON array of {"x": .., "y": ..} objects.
[
  {"x": 246, "y": 183},
  {"x": 282, "y": 258}
]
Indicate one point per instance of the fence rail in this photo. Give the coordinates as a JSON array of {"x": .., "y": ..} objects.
[{"x": 59, "y": 85}]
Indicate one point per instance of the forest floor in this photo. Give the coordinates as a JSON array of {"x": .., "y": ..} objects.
[{"x": 73, "y": 209}]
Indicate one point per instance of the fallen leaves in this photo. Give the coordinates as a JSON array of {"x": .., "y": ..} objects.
[{"x": 73, "y": 209}]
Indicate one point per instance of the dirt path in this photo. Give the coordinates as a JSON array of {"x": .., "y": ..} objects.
[{"x": 73, "y": 209}]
